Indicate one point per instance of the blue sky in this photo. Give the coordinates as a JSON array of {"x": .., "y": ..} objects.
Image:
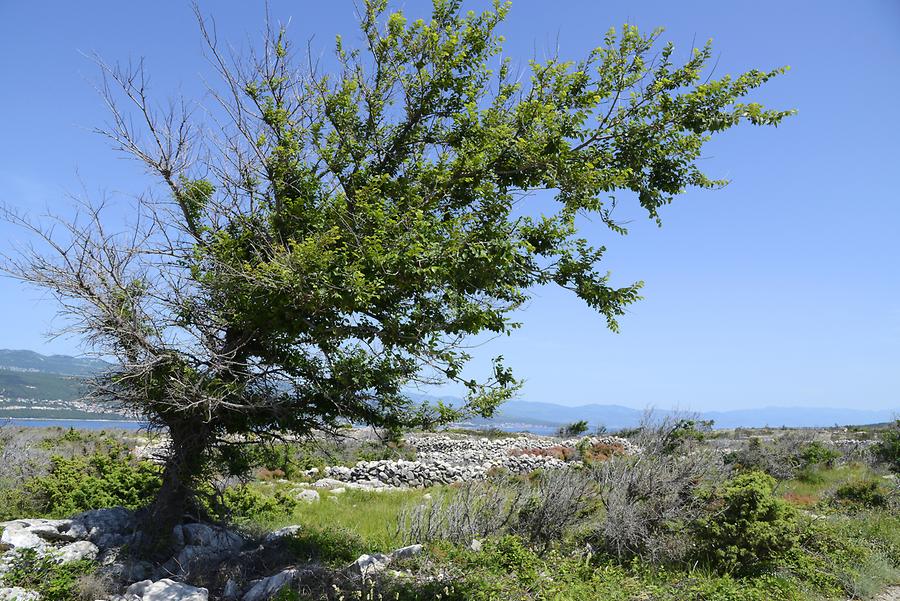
[{"x": 781, "y": 289}]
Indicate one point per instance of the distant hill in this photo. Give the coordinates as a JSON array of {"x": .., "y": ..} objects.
[
  {"x": 46, "y": 386},
  {"x": 65, "y": 365},
  {"x": 616, "y": 417},
  {"x": 35, "y": 385}
]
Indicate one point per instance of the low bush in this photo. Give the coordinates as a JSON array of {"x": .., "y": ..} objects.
[
  {"x": 542, "y": 510},
  {"x": 572, "y": 430},
  {"x": 600, "y": 451},
  {"x": 104, "y": 479},
  {"x": 867, "y": 494},
  {"x": 816, "y": 453},
  {"x": 887, "y": 450},
  {"x": 244, "y": 503},
  {"x": 747, "y": 529},
  {"x": 54, "y": 581},
  {"x": 650, "y": 499},
  {"x": 779, "y": 457}
]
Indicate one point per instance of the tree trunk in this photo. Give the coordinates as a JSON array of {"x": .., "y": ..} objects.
[{"x": 176, "y": 500}]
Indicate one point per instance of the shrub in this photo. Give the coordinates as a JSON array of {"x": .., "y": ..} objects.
[
  {"x": 244, "y": 503},
  {"x": 887, "y": 450},
  {"x": 572, "y": 430},
  {"x": 861, "y": 493},
  {"x": 601, "y": 451},
  {"x": 748, "y": 529},
  {"x": 649, "y": 499},
  {"x": 780, "y": 457},
  {"x": 816, "y": 453},
  {"x": 104, "y": 479},
  {"x": 680, "y": 432},
  {"x": 541, "y": 510},
  {"x": 44, "y": 574}
]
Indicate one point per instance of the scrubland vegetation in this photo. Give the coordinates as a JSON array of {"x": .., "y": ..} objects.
[{"x": 697, "y": 514}]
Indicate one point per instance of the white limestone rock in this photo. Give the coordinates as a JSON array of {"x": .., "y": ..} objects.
[
  {"x": 169, "y": 590},
  {"x": 138, "y": 588},
  {"x": 21, "y": 538},
  {"x": 265, "y": 588},
  {"x": 407, "y": 552},
  {"x": 281, "y": 533},
  {"x": 367, "y": 566},
  {"x": 308, "y": 496},
  {"x": 15, "y": 593},
  {"x": 78, "y": 550}
]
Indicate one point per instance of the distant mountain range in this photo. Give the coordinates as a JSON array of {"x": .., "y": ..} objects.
[
  {"x": 47, "y": 386},
  {"x": 35, "y": 385},
  {"x": 29, "y": 361},
  {"x": 616, "y": 417}
]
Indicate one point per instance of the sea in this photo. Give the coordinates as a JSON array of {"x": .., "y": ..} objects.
[
  {"x": 78, "y": 424},
  {"x": 112, "y": 424}
]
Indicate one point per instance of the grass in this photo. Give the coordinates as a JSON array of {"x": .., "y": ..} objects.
[
  {"x": 815, "y": 484},
  {"x": 370, "y": 516}
]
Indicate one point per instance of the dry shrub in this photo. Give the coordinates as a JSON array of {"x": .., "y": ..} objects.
[
  {"x": 651, "y": 497},
  {"x": 93, "y": 586},
  {"x": 801, "y": 500},
  {"x": 267, "y": 474},
  {"x": 602, "y": 451},
  {"x": 540, "y": 509},
  {"x": 781, "y": 456}
]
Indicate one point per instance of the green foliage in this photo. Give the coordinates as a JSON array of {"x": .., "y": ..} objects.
[
  {"x": 686, "y": 432},
  {"x": 816, "y": 453},
  {"x": 44, "y": 574},
  {"x": 104, "y": 479},
  {"x": 245, "y": 503},
  {"x": 574, "y": 429},
  {"x": 749, "y": 529},
  {"x": 862, "y": 493},
  {"x": 888, "y": 448}
]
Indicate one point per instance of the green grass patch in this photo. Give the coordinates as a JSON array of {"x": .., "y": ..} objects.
[{"x": 370, "y": 517}]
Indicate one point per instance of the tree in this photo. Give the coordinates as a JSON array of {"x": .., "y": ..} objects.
[
  {"x": 574, "y": 429},
  {"x": 325, "y": 240}
]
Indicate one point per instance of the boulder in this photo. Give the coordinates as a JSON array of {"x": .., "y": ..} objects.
[
  {"x": 265, "y": 588},
  {"x": 169, "y": 590},
  {"x": 204, "y": 535},
  {"x": 407, "y": 552},
  {"x": 78, "y": 550},
  {"x": 104, "y": 527},
  {"x": 368, "y": 565},
  {"x": 281, "y": 533},
  {"x": 53, "y": 532},
  {"x": 309, "y": 496},
  {"x": 138, "y": 588},
  {"x": 20, "y": 538},
  {"x": 327, "y": 483}
]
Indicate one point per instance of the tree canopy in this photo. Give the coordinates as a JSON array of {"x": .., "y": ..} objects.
[{"x": 330, "y": 237}]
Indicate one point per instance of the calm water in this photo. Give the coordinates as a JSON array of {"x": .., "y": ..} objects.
[
  {"x": 82, "y": 424},
  {"x": 109, "y": 424}
]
